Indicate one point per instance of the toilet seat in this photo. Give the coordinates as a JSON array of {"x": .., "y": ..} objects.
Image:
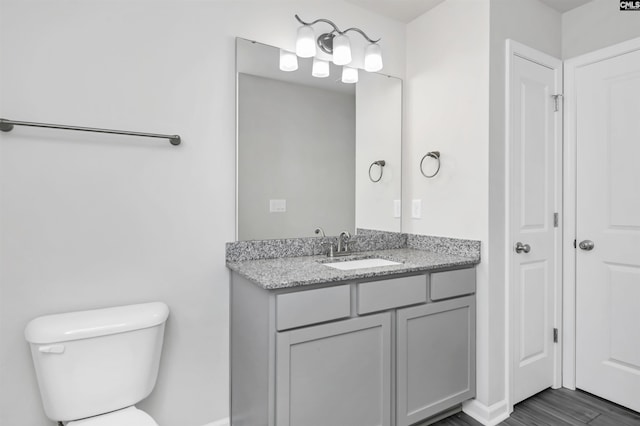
[{"x": 130, "y": 416}]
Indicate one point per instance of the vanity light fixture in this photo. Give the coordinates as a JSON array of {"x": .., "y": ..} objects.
[
  {"x": 337, "y": 44},
  {"x": 306, "y": 42},
  {"x": 320, "y": 68},
  {"x": 373, "y": 58},
  {"x": 288, "y": 61},
  {"x": 341, "y": 50},
  {"x": 349, "y": 75}
]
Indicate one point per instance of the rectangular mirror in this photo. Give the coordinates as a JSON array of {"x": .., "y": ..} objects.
[{"x": 310, "y": 151}]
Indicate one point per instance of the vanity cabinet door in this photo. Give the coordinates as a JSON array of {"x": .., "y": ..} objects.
[
  {"x": 336, "y": 374},
  {"x": 435, "y": 358}
]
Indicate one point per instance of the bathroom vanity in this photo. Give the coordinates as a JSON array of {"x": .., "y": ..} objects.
[
  {"x": 387, "y": 338},
  {"x": 314, "y": 345}
]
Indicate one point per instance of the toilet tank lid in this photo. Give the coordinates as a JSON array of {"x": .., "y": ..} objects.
[{"x": 95, "y": 322}]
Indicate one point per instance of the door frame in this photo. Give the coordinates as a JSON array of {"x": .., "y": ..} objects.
[
  {"x": 570, "y": 198},
  {"x": 515, "y": 49}
]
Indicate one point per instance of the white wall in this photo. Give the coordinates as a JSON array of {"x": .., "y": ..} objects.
[
  {"x": 597, "y": 24},
  {"x": 96, "y": 220},
  {"x": 447, "y": 110}
]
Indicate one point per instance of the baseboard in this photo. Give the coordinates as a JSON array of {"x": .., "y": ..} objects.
[
  {"x": 221, "y": 422},
  {"x": 487, "y": 415}
]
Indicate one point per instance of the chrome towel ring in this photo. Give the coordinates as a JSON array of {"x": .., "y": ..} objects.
[
  {"x": 380, "y": 163},
  {"x": 436, "y": 156}
]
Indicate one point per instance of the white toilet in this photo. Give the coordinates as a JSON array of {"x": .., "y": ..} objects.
[{"x": 94, "y": 366}]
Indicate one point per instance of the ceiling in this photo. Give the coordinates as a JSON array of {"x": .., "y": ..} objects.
[
  {"x": 408, "y": 10},
  {"x": 400, "y": 10},
  {"x": 564, "y": 5}
]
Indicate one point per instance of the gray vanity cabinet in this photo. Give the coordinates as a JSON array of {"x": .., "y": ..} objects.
[
  {"x": 393, "y": 351},
  {"x": 335, "y": 374},
  {"x": 435, "y": 358}
]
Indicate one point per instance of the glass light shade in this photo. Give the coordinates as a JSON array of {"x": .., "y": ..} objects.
[
  {"x": 373, "y": 58},
  {"x": 306, "y": 42},
  {"x": 341, "y": 50},
  {"x": 320, "y": 68},
  {"x": 288, "y": 61},
  {"x": 349, "y": 75}
]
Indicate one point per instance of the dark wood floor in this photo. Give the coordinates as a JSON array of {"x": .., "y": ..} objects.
[{"x": 558, "y": 407}]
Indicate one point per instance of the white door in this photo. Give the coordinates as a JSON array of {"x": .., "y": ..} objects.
[
  {"x": 535, "y": 144},
  {"x": 608, "y": 220}
]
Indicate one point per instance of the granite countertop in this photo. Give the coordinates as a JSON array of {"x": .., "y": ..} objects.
[{"x": 286, "y": 272}]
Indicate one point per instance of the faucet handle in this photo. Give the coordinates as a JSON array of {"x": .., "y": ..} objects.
[{"x": 330, "y": 248}]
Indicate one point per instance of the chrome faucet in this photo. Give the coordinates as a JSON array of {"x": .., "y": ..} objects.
[
  {"x": 340, "y": 249},
  {"x": 343, "y": 242}
]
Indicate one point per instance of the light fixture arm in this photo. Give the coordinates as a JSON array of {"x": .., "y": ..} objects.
[
  {"x": 358, "y": 30},
  {"x": 336, "y": 29}
]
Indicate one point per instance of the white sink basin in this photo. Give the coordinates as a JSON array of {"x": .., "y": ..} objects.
[{"x": 361, "y": 263}]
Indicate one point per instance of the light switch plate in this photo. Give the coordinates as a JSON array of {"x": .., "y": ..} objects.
[
  {"x": 416, "y": 209},
  {"x": 277, "y": 206}
]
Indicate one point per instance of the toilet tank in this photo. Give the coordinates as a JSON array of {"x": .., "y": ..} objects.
[{"x": 92, "y": 362}]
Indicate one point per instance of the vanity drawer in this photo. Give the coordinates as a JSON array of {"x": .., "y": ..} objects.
[
  {"x": 388, "y": 294},
  {"x": 453, "y": 283},
  {"x": 312, "y": 306}
]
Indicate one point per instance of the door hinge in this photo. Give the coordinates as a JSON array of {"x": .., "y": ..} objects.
[
  {"x": 556, "y": 107},
  {"x": 555, "y": 335},
  {"x": 555, "y": 220}
]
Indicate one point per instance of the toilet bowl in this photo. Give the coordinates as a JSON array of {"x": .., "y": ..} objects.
[{"x": 130, "y": 416}]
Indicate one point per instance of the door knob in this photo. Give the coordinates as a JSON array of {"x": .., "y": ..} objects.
[
  {"x": 586, "y": 245},
  {"x": 522, "y": 247}
]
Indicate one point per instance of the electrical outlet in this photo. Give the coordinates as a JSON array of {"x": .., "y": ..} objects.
[
  {"x": 397, "y": 208},
  {"x": 416, "y": 209}
]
